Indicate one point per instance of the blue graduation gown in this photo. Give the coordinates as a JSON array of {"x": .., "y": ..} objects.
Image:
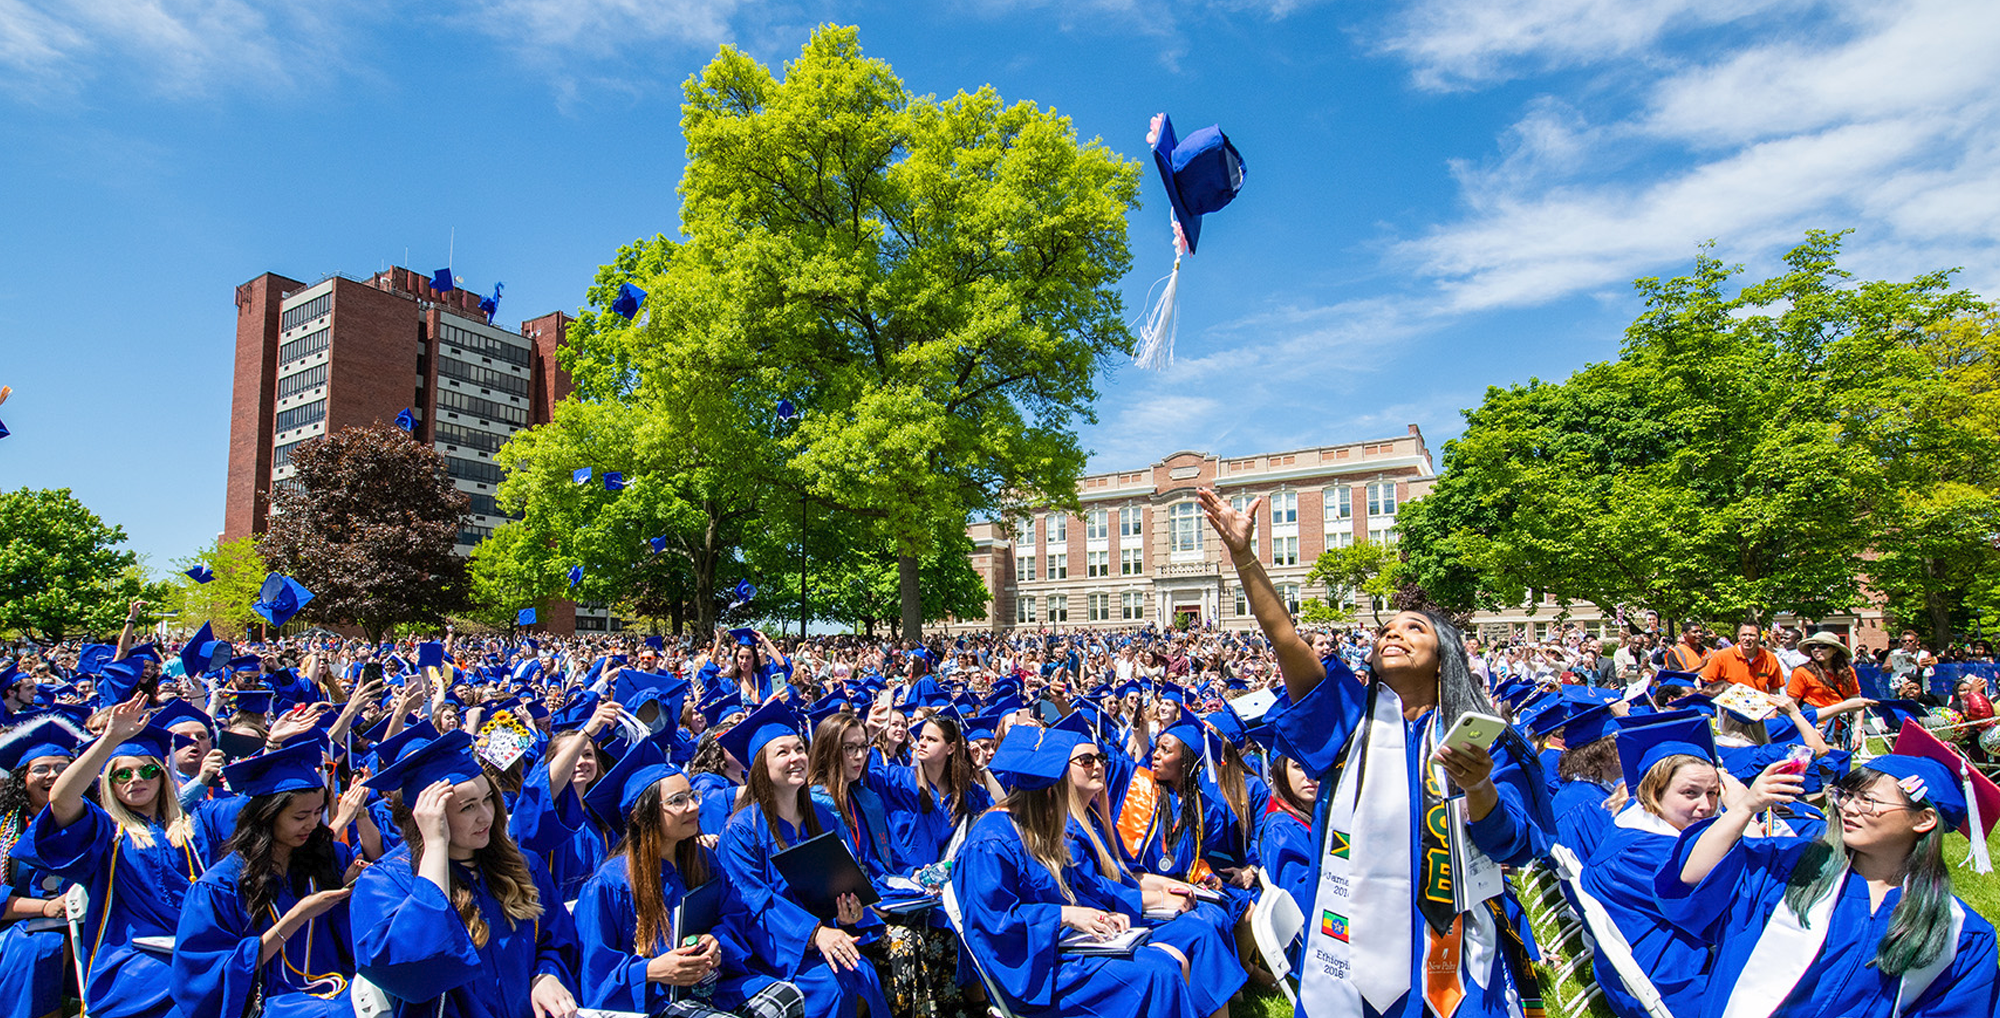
[
  {"x": 1013, "y": 919},
  {"x": 920, "y": 831},
  {"x": 1203, "y": 842},
  {"x": 867, "y": 831},
  {"x": 1729, "y": 910},
  {"x": 614, "y": 978},
  {"x": 718, "y": 800},
  {"x": 1284, "y": 842},
  {"x": 781, "y": 946},
  {"x": 32, "y": 961},
  {"x": 214, "y": 824},
  {"x": 134, "y": 892},
  {"x": 215, "y": 956},
  {"x": 1620, "y": 875},
  {"x": 1204, "y": 934},
  {"x": 1581, "y": 819},
  {"x": 1316, "y": 730},
  {"x": 410, "y": 942}
]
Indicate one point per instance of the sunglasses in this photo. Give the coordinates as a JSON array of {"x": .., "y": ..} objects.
[
  {"x": 1087, "y": 760},
  {"x": 146, "y": 772}
]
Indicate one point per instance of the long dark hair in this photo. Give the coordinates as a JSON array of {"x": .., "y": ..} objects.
[
  {"x": 644, "y": 849},
  {"x": 957, "y": 769},
  {"x": 1461, "y": 692},
  {"x": 1920, "y": 927},
  {"x": 313, "y": 865},
  {"x": 764, "y": 792},
  {"x": 1188, "y": 788},
  {"x": 505, "y": 870}
]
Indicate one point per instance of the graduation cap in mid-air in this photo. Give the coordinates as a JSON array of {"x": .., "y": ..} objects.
[
  {"x": 199, "y": 574},
  {"x": 441, "y": 281},
  {"x": 630, "y": 298},
  {"x": 280, "y": 598},
  {"x": 1202, "y": 174},
  {"x": 406, "y": 420}
]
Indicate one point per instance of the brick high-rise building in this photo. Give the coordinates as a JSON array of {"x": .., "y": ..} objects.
[{"x": 314, "y": 358}]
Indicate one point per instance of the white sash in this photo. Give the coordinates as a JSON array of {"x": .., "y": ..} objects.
[
  {"x": 1610, "y": 940},
  {"x": 1787, "y": 948}
]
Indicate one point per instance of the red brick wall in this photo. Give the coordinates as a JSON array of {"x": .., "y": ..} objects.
[
  {"x": 1312, "y": 524},
  {"x": 373, "y": 373},
  {"x": 551, "y": 383},
  {"x": 253, "y": 399}
]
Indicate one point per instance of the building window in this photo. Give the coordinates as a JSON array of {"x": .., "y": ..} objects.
[
  {"x": 305, "y": 312},
  {"x": 1059, "y": 566},
  {"x": 1340, "y": 503},
  {"x": 304, "y": 346},
  {"x": 1382, "y": 499},
  {"x": 1097, "y": 563},
  {"x": 1129, "y": 520},
  {"x": 1284, "y": 508},
  {"x": 1340, "y": 539},
  {"x": 1028, "y": 532},
  {"x": 1058, "y": 529},
  {"x": 1024, "y": 566},
  {"x": 1242, "y": 603},
  {"x": 1284, "y": 551},
  {"x": 1241, "y": 503},
  {"x": 310, "y": 378},
  {"x": 1024, "y": 610},
  {"x": 1100, "y": 607},
  {"x": 484, "y": 441},
  {"x": 1131, "y": 562},
  {"x": 1058, "y": 607},
  {"x": 484, "y": 345},
  {"x": 1382, "y": 535},
  {"x": 282, "y": 455},
  {"x": 450, "y": 400},
  {"x": 1096, "y": 525},
  {"x": 1132, "y": 605},
  {"x": 1289, "y": 592},
  {"x": 1186, "y": 521},
  {"x": 477, "y": 471},
  {"x": 482, "y": 376},
  {"x": 303, "y": 414}
]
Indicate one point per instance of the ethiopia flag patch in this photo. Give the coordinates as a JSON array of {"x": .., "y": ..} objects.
[{"x": 1334, "y": 925}]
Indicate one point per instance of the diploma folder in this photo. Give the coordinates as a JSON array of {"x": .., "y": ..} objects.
[
  {"x": 699, "y": 912},
  {"x": 820, "y": 870}
]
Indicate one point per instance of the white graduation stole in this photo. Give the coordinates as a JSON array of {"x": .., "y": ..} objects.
[{"x": 1788, "y": 947}]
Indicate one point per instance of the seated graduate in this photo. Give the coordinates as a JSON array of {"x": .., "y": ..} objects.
[
  {"x": 135, "y": 855},
  {"x": 1396, "y": 928},
  {"x": 1860, "y": 922},
  {"x": 634, "y": 959},
  {"x": 267, "y": 926},
  {"x": 1588, "y": 771},
  {"x": 458, "y": 920},
  {"x": 1168, "y": 821},
  {"x": 1284, "y": 836},
  {"x": 823, "y": 959},
  {"x": 1199, "y": 933},
  {"x": 574, "y": 764},
  {"x": 1015, "y": 888},
  {"x": 838, "y": 771},
  {"x": 33, "y": 942},
  {"x": 931, "y": 796},
  {"x": 1670, "y": 766}
]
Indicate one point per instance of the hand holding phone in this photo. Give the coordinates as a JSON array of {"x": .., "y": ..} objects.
[{"x": 1473, "y": 730}]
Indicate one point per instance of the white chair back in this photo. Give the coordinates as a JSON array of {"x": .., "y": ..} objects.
[
  {"x": 995, "y": 1001},
  {"x": 76, "y": 905},
  {"x": 1275, "y": 920}
]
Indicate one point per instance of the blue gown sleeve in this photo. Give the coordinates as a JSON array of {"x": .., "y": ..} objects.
[
  {"x": 407, "y": 938},
  {"x": 1516, "y": 829},
  {"x": 216, "y": 955},
  {"x": 556, "y": 944},
  {"x": 75, "y": 851},
  {"x": 785, "y": 929},
  {"x": 542, "y": 822},
  {"x": 1014, "y": 936},
  {"x": 1314, "y": 730},
  {"x": 614, "y": 978},
  {"x": 1703, "y": 910},
  {"x": 1092, "y": 888}
]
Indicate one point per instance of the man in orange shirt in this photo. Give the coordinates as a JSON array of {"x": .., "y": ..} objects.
[
  {"x": 1691, "y": 653},
  {"x": 1747, "y": 664}
]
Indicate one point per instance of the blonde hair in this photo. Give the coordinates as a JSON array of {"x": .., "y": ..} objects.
[
  {"x": 1041, "y": 816},
  {"x": 1107, "y": 862},
  {"x": 1655, "y": 783},
  {"x": 166, "y": 806}
]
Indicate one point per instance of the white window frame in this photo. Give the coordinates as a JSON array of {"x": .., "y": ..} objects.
[
  {"x": 1097, "y": 525},
  {"x": 1058, "y": 566},
  {"x": 1339, "y": 503}
]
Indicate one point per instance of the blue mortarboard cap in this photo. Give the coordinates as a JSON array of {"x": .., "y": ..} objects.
[
  {"x": 614, "y": 480},
  {"x": 1669, "y": 677},
  {"x": 633, "y": 687},
  {"x": 775, "y": 719},
  {"x": 406, "y": 420},
  {"x": 42, "y": 736},
  {"x": 490, "y": 306},
  {"x": 1228, "y": 726},
  {"x": 430, "y": 654},
  {"x": 629, "y": 299},
  {"x": 118, "y": 679},
  {"x": 642, "y": 765},
  {"x": 575, "y": 575},
  {"x": 295, "y": 768},
  {"x": 656, "y": 642},
  {"x": 199, "y": 574},
  {"x": 441, "y": 281},
  {"x": 826, "y": 707},
  {"x": 720, "y": 707},
  {"x": 525, "y": 617},
  {"x": 252, "y": 701},
  {"x": 1641, "y": 747},
  {"x": 924, "y": 692},
  {"x": 245, "y": 663},
  {"x": 1926, "y": 780},
  {"x": 1589, "y": 724},
  {"x": 280, "y": 598},
  {"x": 581, "y": 475},
  {"x": 178, "y": 711},
  {"x": 3, "y": 430},
  {"x": 447, "y": 758},
  {"x": 786, "y": 411},
  {"x": 391, "y": 749},
  {"x": 93, "y": 658},
  {"x": 1032, "y": 758},
  {"x": 1202, "y": 173},
  {"x": 152, "y": 741},
  {"x": 1083, "y": 721},
  {"x": 1189, "y": 730},
  {"x": 745, "y": 636},
  {"x": 743, "y": 592},
  {"x": 659, "y": 544}
]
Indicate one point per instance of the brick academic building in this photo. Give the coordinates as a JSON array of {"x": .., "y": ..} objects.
[{"x": 312, "y": 358}]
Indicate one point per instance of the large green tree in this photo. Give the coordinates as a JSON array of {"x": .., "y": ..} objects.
[
  {"x": 223, "y": 602},
  {"x": 61, "y": 571},
  {"x": 369, "y": 523},
  {"x": 1739, "y": 458}
]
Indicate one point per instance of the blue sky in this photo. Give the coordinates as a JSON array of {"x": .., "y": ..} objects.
[{"x": 1442, "y": 194}]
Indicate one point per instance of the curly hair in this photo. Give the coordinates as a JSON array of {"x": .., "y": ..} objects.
[{"x": 500, "y": 862}]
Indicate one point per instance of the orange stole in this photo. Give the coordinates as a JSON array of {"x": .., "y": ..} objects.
[{"x": 1137, "y": 817}]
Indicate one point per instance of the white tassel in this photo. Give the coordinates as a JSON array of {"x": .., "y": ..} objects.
[
  {"x": 1156, "y": 337},
  {"x": 1981, "y": 861}
]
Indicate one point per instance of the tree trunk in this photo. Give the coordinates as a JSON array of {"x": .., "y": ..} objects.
[
  {"x": 1937, "y": 611},
  {"x": 912, "y": 596}
]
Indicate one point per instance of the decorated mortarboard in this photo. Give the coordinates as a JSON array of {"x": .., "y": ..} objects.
[
  {"x": 446, "y": 758},
  {"x": 116, "y": 682},
  {"x": 94, "y": 657},
  {"x": 280, "y": 598},
  {"x": 45, "y": 735},
  {"x": 1931, "y": 772},
  {"x": 1640, "y": 747},
  {"x": 295, "y": 768},
  {"x": 525, "y": 617},
  {"x": 614, "y": 480},
  {"x": 151, "y": 740},
  {"x": 643, "y": 764},
  {"x": 717, "y": 708},
  {"x": 1032, "y": 758},
  {"x": 177, "y": 712},
  {"x": 774, "y": 720},
  {"x": 199, "y": 574},
  {"x": 630, "y": 299},
  {"x": 503, "y": 738}
]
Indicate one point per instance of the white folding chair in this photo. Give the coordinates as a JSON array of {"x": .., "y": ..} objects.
[
  {"x": 368, "y": 999},
  {"x": 76, "y": 905},
  {"x": 996, "y": 1003},
  {"x": 1275, "y": 920}
]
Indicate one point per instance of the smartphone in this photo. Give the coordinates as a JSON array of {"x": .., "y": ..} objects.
[
  {"x": 371, "y": 672},
  {"x": 1796, "y": 759},
  {"x": 1473, "y": 729}
]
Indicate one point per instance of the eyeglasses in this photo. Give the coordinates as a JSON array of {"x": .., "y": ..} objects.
[
  {"x": 681, "y": 801},
  {"x": 146, "y": 772},
  {"x": 860, "y": 750},
  {"x": 1087, "y": 760},
  {"x": 1862, "y": 803}
]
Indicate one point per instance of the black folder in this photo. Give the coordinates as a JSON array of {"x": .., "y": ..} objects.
[
  {"x": 699, "y": 912},
  {"x": 820, "y": 870}
]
